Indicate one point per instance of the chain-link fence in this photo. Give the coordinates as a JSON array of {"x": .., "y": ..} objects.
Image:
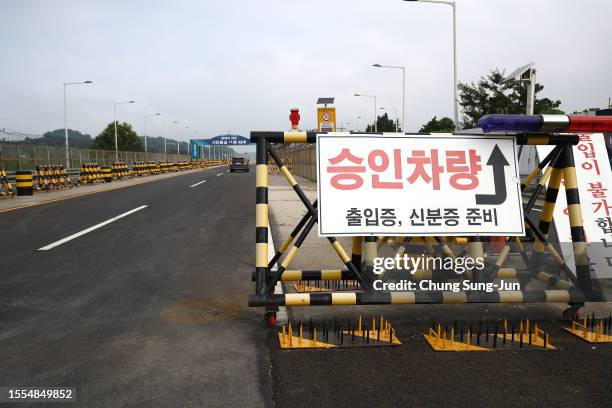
[
  {"x": 301, "y": 159},
  {"x": 18, "y": 156}
]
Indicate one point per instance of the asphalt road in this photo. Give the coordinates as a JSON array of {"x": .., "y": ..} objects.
[{"x": 149, "y": 310}]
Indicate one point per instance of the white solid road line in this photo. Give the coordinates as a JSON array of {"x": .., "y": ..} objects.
[
  {"x": 197, "y": 184},
  {"x": 95, "y": 227},
  {"x": 220, "y": 174}
]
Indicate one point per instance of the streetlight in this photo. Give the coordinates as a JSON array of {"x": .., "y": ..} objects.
[
  {"x": 145, "y": 129},
  {"x": 66, "y": 119},
  {"x": 403, "y": 90},
  {"x": 165, "y": 145},
  {"x": 370, "y": 96},
  {"x": 396, "y": 116},
  {"x": 358, "y": 123},
  {"x": 115, "y": 121},
  {"x": 456, "y": 100}
]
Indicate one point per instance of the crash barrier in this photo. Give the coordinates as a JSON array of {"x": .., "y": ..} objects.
[
  {"x": 141, "y": 169},
  {"x": 51, "y": 177},
  {"x": 515, "y": 336},
  {"x": 55, "y": 177},
  {"x": 90, "y": 173},
  {"x": 107, "y": 174},
  {"x": 562, "y": 286},
  {"x": 6, "y": 187},
  {"x": 24, "y": 182},
  {"x": 120, "y": 170},
  {"x": 374, "y": 332}
]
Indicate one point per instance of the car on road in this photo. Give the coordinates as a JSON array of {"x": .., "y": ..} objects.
[{"x": 238, "y": 164}]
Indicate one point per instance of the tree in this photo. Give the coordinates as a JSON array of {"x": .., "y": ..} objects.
[
  {"x": 585, "y": 110},
  {"x": 492, "y": 95},
  {"x": 383, "y": 124},
  {"x": 58, "y": 138},
  {"x": 444, "y": 125},
  {"x": 127, "y": 139}
]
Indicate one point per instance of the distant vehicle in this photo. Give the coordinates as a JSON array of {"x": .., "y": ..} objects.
[{"x": 238, "y": 164}]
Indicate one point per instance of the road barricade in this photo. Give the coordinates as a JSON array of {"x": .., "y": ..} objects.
[
  {"x": 90, "y": 173},
  {"x": 24, "y": 182},
  {"x": 6, "y": 188},
  {"x": 561, "y": 286}
]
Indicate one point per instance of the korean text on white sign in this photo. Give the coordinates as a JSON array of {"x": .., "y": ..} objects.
[{"x": 418, "y": 185}]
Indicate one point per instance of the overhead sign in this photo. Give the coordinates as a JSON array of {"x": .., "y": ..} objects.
[
  {"x": 418, "y": 185},
  {"x": 595, "y": 191},
  {"x": 229, "y": 140},
  {"x": 326, "y": 119}
]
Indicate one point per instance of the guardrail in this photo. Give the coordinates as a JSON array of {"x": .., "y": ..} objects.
[{"x": 18, "y": 156}]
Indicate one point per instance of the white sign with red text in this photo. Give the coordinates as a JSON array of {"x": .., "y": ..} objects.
[
  {"x": 595, "y": 191},
  {"x": 418, "y": 185}
]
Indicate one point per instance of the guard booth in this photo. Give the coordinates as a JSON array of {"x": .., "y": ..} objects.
[{"x": 437, "y": 202}]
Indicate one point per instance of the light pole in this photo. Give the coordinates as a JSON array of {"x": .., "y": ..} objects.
[
  {"x": 403, "y": 90},
  {"x": 456, "y": 100},
  {"x": 371, "y": 96},
  {"x": 358, "y": 123},
  {"x": 115, "y": 121},
  {"x": 66, "y": 119},
  {"x": 145, "y": 129},
  {"x": 166, "y": 144},
  {"x": 396, "y": 116}
]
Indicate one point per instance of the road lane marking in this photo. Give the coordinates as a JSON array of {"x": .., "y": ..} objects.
[
  {"x": 227, "y": 171},
  {"x": 220, "y": 174},
  {"x": 197, "y": 184},
  {"x": 85, "y": 231}
]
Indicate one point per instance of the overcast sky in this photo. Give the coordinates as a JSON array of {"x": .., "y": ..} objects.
[{"x": 240, "y": 65}]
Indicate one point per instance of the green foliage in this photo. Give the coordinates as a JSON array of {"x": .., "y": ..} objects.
[
  {"x": 383, "y": 124},
  {"x": 58, "y": 138},
  {"x": 444, "y": 125},
  {"x": 492, "y": 95},
  {"x": 127, "y": 139},
  {"x": 584, "y": 110}
]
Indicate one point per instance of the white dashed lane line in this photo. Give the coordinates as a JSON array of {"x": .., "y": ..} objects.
[
  {"x": 197, "y": 184},
  {"x": 95, "y": 227}
]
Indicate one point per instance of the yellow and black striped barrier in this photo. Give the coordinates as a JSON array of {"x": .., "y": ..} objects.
[
  {"x": 107, "y": 174},
  {"x": 562, "y": 287},
  {"x": 24, "y": 182},
  {"x": 6, "y": 188}
]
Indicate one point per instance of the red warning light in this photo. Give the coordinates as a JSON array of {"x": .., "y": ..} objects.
[
  {"x": 589, "y": 124},
  {"x": 294, "y": 117}
]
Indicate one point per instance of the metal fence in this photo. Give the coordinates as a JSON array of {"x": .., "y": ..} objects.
[
  {"x": 301, "y": 160},
  {"x": 18, "y": 156}
]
